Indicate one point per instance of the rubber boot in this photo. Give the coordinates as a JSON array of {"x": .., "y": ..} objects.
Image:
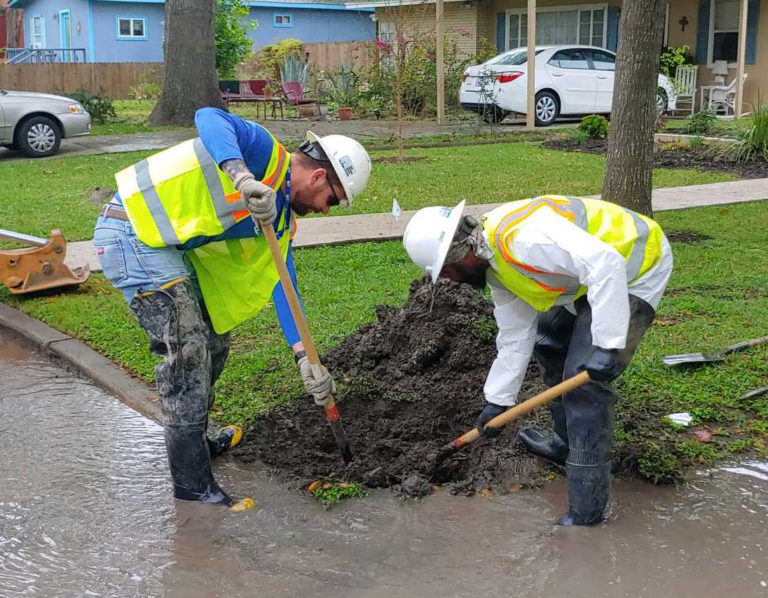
[
  {"x": 552, "y": 445},
  {"x": 190, "y": 464},
  {"x": 587, "y": 494},
  {"x": 228, "y": 437}
]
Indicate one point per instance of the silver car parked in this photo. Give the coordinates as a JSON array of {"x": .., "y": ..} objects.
[{"x": 35, "y": 123}]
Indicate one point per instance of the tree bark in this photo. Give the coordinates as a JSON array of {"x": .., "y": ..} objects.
[
  {"x": 629, "y": 161},
  {"x": 190, "y": 79}
]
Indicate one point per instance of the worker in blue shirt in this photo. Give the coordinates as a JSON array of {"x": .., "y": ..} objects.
[{"x": 179, "y": 241}]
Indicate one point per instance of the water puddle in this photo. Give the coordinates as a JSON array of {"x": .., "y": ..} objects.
[{"x": 86, "y": 510}]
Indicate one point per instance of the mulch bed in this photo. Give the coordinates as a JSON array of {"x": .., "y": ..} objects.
[{"x": 684, "y": 157}]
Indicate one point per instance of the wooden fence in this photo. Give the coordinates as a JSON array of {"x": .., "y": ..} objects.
[
  {"x": 331, "y": 56},
  {"x": 113, "y": 79}
]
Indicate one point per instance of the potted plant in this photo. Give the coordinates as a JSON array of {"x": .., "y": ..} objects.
[
  {"x": 345, "y": 113},
  {"x": 268, "y": 91}
]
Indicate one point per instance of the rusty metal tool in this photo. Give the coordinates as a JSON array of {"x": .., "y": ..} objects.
[
  {"x": 512, "y": 414},
  {"x": 331, "y": 411},
  {"x": 710, "y": 357},
  {"x": 38, "y": 267}
]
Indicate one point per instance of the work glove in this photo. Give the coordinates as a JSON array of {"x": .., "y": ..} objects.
[
  {"x": 257, "y": 197},
  {"x": 602, "y": 365},
  {"x": 319, "y": 387},
  {"x": 490, "y": 411}
]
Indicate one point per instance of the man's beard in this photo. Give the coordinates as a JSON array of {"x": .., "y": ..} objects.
[
  {"x": 472, "y": 275},
  {"x": 297, "y": 206}
]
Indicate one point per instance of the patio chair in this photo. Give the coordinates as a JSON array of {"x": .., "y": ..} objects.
[
  {"x": 724, "y": 98},
  {"x": 685, "y": 86},
  {"x": 294, "y": 93}
]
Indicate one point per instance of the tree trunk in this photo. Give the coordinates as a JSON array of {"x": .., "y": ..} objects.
[
  {"x": 629, "y": 161},
  {"x": 190, "y": 80}
]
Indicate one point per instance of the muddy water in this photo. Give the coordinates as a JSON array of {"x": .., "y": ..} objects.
[{"x": 85, "y": 510}]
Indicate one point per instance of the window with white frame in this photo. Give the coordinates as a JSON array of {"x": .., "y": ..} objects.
[
  {"x": 563, "y": 25},
  {"x": 36, "y": 32},
  {"x": 282, "y": 20},
  {"x": 131, "y": 28},
  {"x": 724, "y": 30}
]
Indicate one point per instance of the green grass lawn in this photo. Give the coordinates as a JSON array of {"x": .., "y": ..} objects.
[
  {"x": 133, "y": 117},
  {"x": 37, "y": 196},
  {"x": 718, "y": 295}
]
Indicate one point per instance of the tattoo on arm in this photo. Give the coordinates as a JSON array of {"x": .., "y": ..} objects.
[{"x": 234, "y": 168}]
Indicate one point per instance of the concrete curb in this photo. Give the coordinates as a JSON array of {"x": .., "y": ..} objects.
[{"x": 80, "y": 357}]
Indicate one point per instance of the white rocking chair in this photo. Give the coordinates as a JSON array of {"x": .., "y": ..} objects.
[{"x": 685, "y": 86}]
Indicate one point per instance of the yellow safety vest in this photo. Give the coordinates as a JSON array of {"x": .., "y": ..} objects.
[
  {"x": 636, "y": 237},
  {"x": 181, "y": 193}
]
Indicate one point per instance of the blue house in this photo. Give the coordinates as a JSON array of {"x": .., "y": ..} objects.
[{"x": 132, "y": 31}]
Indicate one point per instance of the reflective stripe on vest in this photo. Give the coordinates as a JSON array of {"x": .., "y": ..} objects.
[
  {"x": 606, "y": 221},
  {"x": 181, "y": 193},
  {"x": 237, "y": 276}
]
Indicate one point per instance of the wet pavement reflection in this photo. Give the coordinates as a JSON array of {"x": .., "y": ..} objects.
[{"x": 86, "y": 510}]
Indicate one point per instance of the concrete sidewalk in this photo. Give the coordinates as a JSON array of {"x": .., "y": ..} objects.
[
  {"x": 292, "y": 130},
  {"x": 336, "y": 230}
]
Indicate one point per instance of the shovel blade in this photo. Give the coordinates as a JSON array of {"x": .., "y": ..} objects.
[{"x": 692, "y": 358}]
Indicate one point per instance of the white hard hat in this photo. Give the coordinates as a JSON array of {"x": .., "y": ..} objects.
[
  {"x": 429, "y": 235},
  {"x": 350, "y": 161}
]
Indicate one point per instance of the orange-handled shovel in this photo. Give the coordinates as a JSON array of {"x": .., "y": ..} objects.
[
  {"x": 517, "y": 411},
  {"x": 331, "y": 411}
]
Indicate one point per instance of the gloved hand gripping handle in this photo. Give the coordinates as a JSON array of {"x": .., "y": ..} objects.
[{"x": 331, "y": 411}]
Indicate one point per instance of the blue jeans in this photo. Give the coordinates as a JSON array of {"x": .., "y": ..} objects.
[{"x": 130, "y": 265}]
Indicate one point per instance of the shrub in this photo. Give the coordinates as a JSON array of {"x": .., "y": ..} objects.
[
  {"x": 752, "y": 143},
  {"x": 594, "y": 126},
  {"x": 273, "y": 56},
  {"x": 672, "y": 57},
  {"x": 231, "y": 27},
  {"x": 701, "y": 123},
  {"x": 696, "y": 142},
  {"x": 146, "y": 88},
  {"x": 97, "y": 105}
]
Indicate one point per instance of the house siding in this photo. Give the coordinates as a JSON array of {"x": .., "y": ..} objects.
[
  {"x": 460, "y": 20},
  {"x": 110, "y": 49},
  {"x": 312, "y": 25}
]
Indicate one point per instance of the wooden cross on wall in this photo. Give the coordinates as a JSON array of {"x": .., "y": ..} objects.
[{"x": 683, "y": 22}]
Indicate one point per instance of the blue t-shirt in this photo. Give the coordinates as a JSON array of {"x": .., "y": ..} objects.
[{"x": 228, "y": 137}]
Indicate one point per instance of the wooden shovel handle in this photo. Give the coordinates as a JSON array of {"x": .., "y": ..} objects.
[
  {"x": 526, "y": 407},
  {"x": 331, "y": 411}
]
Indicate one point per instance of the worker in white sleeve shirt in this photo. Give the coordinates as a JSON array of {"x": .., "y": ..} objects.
[{"x": 575, "y": 283}]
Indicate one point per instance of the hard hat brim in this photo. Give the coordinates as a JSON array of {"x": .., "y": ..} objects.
[
  {"x": 449, "y": 232},
  {"x": 348, "y": 196}
]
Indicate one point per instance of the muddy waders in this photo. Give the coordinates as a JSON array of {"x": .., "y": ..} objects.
[
  {"x": 582, "y": 433},
  {"x": 179, "y": 331}
]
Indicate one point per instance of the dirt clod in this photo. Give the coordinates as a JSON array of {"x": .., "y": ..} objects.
[{"x": 415, "y": 379}]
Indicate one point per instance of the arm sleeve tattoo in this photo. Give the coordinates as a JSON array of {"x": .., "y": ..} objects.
[{"x": 234, "y": 167}]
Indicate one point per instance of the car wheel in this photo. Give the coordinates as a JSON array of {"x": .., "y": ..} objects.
[
  {"x": 39, "y": 137},
  {"x": 547, "y": 108},
  {"x": 661, "y": 101},
  {"x": 493, "y": 115}
]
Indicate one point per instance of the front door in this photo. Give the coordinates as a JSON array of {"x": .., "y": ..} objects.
[
  {"x": 604, "y": 64},
  {"x": 66, "y": 36},
  {"x": 574, "y": 81}
]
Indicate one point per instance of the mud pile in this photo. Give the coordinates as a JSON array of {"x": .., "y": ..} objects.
[{"x": 409, "y": 382}]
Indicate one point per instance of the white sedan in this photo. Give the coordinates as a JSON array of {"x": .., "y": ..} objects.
[{"x": 570, "y": 80}]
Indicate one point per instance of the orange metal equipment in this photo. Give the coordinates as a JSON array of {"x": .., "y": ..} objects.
[{"x": 38, "y": 267}]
